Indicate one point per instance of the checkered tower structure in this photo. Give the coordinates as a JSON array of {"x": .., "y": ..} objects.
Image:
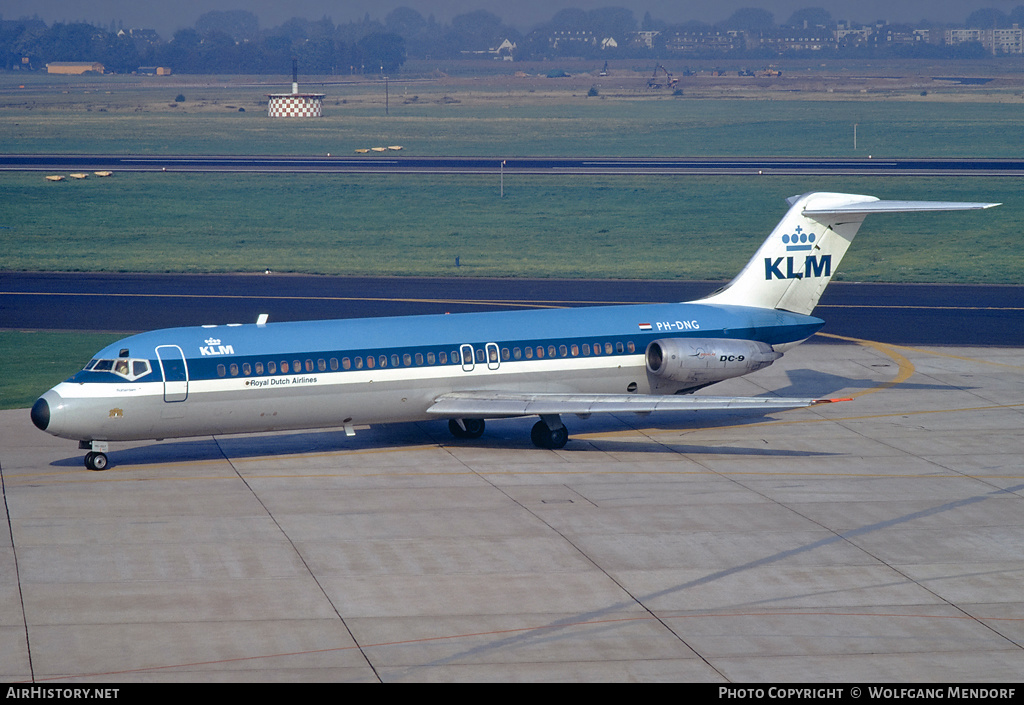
[{"x": 302, "y": 105}]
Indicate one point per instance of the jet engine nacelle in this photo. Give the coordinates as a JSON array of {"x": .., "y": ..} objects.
[{"x": 697, "y": 362}]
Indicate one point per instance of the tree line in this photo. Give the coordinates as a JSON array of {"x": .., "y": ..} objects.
[{"x": 233, "y": 42}]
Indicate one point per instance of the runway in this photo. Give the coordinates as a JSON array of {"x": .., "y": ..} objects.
[
  {"x": 389, "y": 162},
  {"x": 867, "y": 542}
]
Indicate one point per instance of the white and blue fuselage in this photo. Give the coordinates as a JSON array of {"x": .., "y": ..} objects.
[
  {"x": 469, "y": 367},
  {"x": 309, "y": 374}
]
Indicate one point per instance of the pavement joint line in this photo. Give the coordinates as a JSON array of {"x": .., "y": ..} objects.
[{"x": 535, "y": 628}]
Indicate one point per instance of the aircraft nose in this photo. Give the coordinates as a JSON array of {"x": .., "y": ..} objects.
[
  {"x": 41, "y": 414},
  {"x": 47, "y": 414}
]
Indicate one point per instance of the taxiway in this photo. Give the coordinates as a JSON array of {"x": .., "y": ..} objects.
[{"x": 872, "y": 541}]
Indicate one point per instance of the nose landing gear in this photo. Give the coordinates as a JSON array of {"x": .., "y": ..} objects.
[
  {"x": 96, "y": 458},
  {"x": 96, "y": 461}
]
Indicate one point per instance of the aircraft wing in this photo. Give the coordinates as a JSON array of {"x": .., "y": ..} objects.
[{"x": 493, "y": 404}]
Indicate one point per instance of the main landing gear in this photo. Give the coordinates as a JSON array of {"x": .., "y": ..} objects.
[
  {"x": 96, "y": 458},
  {"x": 549, "y": 432}
]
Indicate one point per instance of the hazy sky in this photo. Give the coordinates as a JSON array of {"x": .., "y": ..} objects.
[{"x": 166, "y": 17}]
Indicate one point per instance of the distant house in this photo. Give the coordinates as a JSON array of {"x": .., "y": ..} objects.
[
  {"x": 153, "y": 71},
  {"x": 74, "y": 68},
  {"x": 505, "y": 51}
]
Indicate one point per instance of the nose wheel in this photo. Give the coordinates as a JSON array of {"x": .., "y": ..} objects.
[{"x": 96, "y": 461}]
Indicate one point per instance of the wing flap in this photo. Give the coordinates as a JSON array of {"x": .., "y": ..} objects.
[{"x": 493, "y": 404}]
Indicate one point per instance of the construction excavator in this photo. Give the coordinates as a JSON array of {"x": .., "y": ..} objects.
[{"x": 670, "y": 80}]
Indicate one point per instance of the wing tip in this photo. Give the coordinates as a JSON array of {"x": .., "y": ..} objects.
[{"x": 830, "y": 401}]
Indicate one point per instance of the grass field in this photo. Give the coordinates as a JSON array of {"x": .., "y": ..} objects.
[
  {"x": 547, "y": 126},
  {"x": 594, "y": 227}
]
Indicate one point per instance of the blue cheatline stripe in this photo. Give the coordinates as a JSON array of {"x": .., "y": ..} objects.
[{"x": 625, "y": 326}]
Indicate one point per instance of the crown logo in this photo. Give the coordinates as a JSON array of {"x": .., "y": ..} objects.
[
  {"x": 799, "y": 240},
  {"x": 212, "y": 341}
]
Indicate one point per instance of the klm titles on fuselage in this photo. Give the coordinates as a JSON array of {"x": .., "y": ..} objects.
[
  {"x": 213, "y": 347},
  {"x": 790, "y": 268}
]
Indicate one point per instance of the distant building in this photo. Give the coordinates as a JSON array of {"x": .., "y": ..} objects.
[
  {"x": 995, "y": 41},
  {"x": 74, "y": 68},
  {"x": 702, "y": 42},
  {"x": 153, "y": 71}
]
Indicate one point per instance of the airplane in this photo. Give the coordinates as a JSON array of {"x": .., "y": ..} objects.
[{"x": 470, "y": 367}]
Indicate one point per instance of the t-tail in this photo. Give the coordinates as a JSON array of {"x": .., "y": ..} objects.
[{"x": 795, "y": 264}]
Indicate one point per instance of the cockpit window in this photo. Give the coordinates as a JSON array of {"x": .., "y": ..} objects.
[{"x": 130, "y": 369}]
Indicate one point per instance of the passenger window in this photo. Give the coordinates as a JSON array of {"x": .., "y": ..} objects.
[
  {"x": 271, "y": 368},
  {"x": 586, "y": 349},
  {"x": 321, "y": 365},
  {"x": 259, "y": 368},
  {"x": 221, "y": 370},
  {"x": 430, "y": 358},
  {"x": 529, "y": 353},
  {"x": 551, "y": 351},
  {"x": 346, "y": 364},
  {"x": 284, "y": 367},
  {"x": 480, "y": 357},
  {"x": 563, "y": 351},
  {"x": 492, "y": 354},
  {"x": 370, "y": 362},
  {"x": 442, "y": 358},
  {"x": 419, "y": 358},
  {"x": 540, "y": 351},
  {"x": 334, "y": 364},
  {"x": 407, "y": 360},
  {"x": 630, "y": 347},
  {"x": 296, "y": 366},
  {"x": 620, "y": 348},
  {"x": 597, "y": 348},
  {"x": 359, "y": 363},
  {"x": 234, "y": 370},
  {"x": 246, "y": 369},
  {"x": 608, "y": 348},
  {"x": 505, "y": 355},
  {"x": 575, "y": 350},
  {"x": 517, "y": 353},
  {"x": 394, "y": 360},
  {"x": 309, "y": 365}
]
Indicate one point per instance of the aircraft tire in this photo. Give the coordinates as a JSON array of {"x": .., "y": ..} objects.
[
  {"x": 474, "y": 428},
  {"x": 96, "y": 461},
  {"x": 544, "y": 437}
]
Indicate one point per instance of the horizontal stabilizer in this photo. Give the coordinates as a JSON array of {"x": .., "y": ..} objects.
[
  {"x": 493, "y": 404},
  {"x": 869, "y": 207}
]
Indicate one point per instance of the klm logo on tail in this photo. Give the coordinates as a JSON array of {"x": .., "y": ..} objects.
[{"x": 812, "y": 267}]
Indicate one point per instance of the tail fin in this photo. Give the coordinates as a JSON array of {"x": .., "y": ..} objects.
[{"x": 796, "y": 262}]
